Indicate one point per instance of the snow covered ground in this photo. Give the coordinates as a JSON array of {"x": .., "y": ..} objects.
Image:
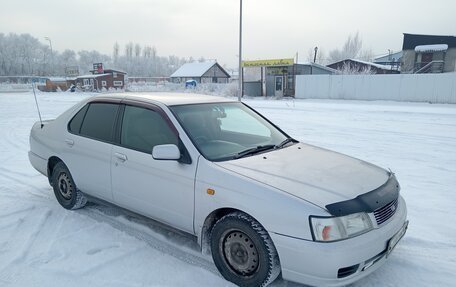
[{"x": 42, "y": 244}]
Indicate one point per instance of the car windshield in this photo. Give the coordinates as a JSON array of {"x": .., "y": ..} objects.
[{"x": 224, "y": 131}]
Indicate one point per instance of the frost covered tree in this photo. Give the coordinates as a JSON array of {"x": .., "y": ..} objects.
[
  {"x": 352, "y": 69},
  {"x": 25, "y": 55},
  {"x": 88, "y": 58}
]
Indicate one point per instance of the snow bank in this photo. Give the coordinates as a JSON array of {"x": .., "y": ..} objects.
[{"x": 224, "y": 90}]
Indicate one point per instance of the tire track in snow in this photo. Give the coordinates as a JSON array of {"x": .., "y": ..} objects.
[
  {"x": 22, "y": 180},
  {"x": 27, "y": 209},
  {"x": 22, "y": 237},
  {"x": 12, "y": 140},
  {"x": 17, "y": 173},
  {"x": 110, "y": 261},
  {"x": 25, "y": 250}
]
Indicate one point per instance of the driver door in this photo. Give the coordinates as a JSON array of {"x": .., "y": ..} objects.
[{"x": 160, "y": 189}]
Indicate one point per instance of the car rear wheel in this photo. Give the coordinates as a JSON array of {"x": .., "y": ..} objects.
[
  {"x": 243, "y": 251},
  {"x": 65, "y": 189}
]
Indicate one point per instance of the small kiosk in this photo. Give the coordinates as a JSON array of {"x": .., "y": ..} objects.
[{"x": 276, "y": 77}]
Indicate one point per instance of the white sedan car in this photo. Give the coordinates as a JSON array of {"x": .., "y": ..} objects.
[{"x": 263, "y": 203}]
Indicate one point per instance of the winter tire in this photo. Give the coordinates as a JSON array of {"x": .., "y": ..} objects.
[
  {"x": 243, "y": 251},
  {"x": 65, "y": 189}
]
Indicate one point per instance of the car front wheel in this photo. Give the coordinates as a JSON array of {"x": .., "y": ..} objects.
[
  {"x": 243, "y": 251},
  {"x": 65, "y": 189}
]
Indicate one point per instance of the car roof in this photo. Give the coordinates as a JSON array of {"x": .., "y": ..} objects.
[{"x": 168, "y": 99}]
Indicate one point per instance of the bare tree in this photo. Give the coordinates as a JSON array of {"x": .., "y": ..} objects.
[
  {"x": 147, "y": 52},
  {"x": 350, "y": 50},
  {"x": 129, "y": 50},
  {"x": 154, "y": 53},
  {"x": 367, "y": 55},
  {"x": 310, "y": 55},
  {"x": 115, "y": 52},
  {"x": 321, "y": 56},
  {"x": 137, "y": 50}
]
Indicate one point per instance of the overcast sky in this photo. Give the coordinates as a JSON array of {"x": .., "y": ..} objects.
[{"x": 210, "y": 28}]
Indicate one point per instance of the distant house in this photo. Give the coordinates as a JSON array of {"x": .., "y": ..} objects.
[
  {"x": 392, "y": 59},
  {"x": 428, "y": 54},
  {"x": 107, "y": 79},
  {"x": 354, "y": 66},
  {"x": 202, "y": 72},
  {"x": 389, "y": 58}
]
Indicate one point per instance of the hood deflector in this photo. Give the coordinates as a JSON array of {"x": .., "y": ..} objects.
[{"x": 368, "y": 202}]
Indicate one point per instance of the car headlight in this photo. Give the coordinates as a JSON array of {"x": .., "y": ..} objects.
[{"x": 337, "y": 228}]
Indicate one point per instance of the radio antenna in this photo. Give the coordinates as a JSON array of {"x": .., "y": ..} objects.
[{"x": 36, "y": 102}]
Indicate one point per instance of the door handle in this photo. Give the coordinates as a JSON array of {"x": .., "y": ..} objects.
[
  {"x": 69, "y": 142},
  {"x": 121, "y": 156}
]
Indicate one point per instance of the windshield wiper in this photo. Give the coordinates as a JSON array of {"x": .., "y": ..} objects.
[
  {"x": 284, "y": 142},
  {"x": 253, "y": 150},
  {"x": 261, "y": 148}
]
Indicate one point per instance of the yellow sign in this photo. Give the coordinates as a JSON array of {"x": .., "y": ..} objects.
[{"x": 273, "y": 62}]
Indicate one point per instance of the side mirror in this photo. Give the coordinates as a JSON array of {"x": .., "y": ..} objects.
[{"x": 166, "y": 152}]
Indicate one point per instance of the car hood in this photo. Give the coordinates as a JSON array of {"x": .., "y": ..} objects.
[{"x": 311, "y": 173}]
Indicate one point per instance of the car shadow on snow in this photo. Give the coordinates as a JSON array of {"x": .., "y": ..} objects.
[{"x": 159, "y": 236}]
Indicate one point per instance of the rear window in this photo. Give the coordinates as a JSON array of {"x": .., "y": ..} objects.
[
  {"x": 99, "y": 121},
  {"x": 76, "y": 121}
]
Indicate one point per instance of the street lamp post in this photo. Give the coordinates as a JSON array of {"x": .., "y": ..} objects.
[
  {"x": 50, "y": 43},
  {"x": 240, "y": 54}
]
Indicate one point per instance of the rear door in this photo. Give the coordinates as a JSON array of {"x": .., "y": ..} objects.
[
  {"x": 161, "y": 189},
  {"x": 88, "y": 148}
]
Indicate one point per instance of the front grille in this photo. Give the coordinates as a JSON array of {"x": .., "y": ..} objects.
[
  {"x": 386, "y": 212},
  {"x": 347, "y": 271}
]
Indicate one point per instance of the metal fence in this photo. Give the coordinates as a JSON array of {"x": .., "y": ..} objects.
[{"x": 432, "y": 88}]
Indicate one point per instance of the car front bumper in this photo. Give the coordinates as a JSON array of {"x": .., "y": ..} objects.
[{"x": 318, "y": 264}]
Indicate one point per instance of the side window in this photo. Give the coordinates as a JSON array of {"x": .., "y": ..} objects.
[
  {"x": 142, "y": 129},
  {"x": 75, "y": 124},
  {"x": 99, "y": 121}
]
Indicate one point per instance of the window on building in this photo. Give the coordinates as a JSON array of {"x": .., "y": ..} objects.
[
  {"x": 117, "y": 83},
  {"x": 290, "y": 85},
  {"x": 103, "y": 83}
]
